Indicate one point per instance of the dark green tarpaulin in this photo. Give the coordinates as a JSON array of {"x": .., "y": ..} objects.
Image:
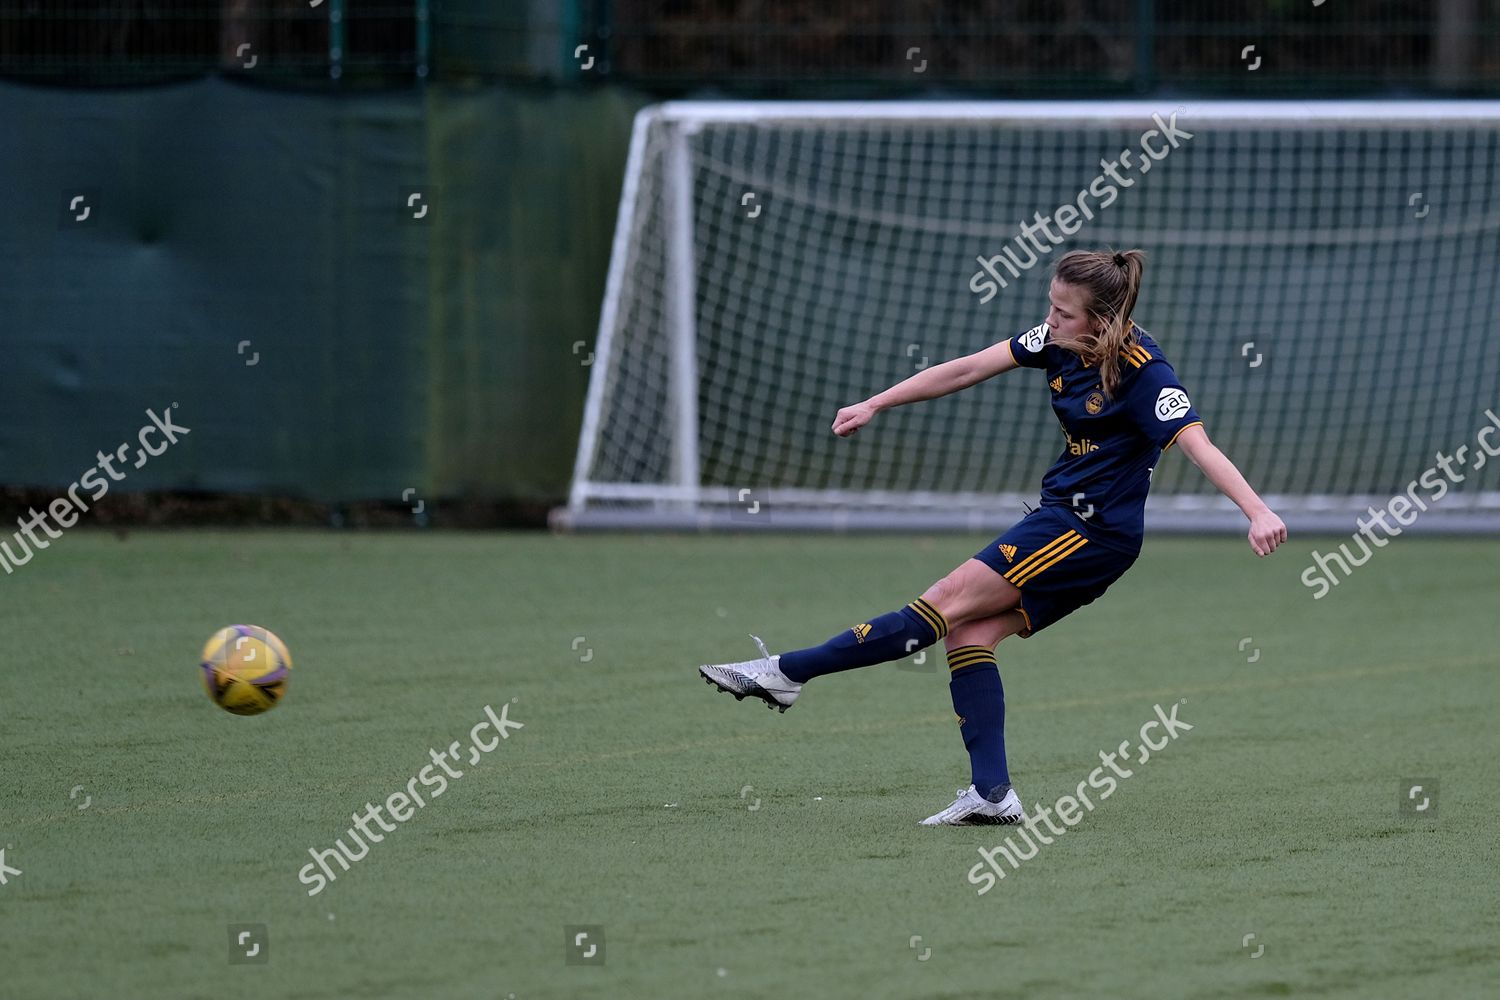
[{"x": 388, "y": 351}]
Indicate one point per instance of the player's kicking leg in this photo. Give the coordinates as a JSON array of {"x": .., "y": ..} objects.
[
  {"x": 970, "y": 591},
  {"x": 778, "y": 679}
]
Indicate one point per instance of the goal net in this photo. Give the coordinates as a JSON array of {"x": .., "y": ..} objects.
[{"x": 1324, "y": 277}]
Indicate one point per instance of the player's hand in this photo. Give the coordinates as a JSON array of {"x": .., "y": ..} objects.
[
  {"x": 852, "y": 418},
  {"x": 1266, "y": 532}
]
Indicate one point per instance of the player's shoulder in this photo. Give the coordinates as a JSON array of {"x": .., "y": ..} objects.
[
  {"x": 1147, "y": 379},
  {"x": 1139, "y": 349},
  {"x": 1036, "y": 338},
  {"x": 1142, "y": 355},
  {"x": 1034, "y": 348}
]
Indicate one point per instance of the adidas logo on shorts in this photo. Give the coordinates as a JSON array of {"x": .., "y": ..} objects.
[{"x": 1009, "y": 552}]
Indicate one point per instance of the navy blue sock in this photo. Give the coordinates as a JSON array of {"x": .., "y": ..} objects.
[
  {"x": 890, "y": 637},
  {"x": 979, "y": 701}
]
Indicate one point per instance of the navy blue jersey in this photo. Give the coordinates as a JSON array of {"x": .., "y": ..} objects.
[{"x": 1110, "y": 446}]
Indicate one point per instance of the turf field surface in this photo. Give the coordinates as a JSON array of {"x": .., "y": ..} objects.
[{"x": 723, "y": 849}]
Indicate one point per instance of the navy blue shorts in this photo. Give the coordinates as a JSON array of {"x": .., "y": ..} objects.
[{"x": 1056, "y": 569}]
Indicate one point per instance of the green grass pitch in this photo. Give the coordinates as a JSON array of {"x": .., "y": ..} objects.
[{"x": 623, "y": 803}]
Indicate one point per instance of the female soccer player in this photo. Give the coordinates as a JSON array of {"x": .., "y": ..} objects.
[{"x": 1120, "y": 406}]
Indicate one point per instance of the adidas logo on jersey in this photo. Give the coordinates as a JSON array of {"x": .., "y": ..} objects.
[
  {"x": 1056, "y": 384},
  {"x": 860, "y": 631},
  {"x": 1009, "y": 552}
]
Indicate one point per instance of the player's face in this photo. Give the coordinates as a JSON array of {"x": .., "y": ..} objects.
[{"x": 1068, "y": 319}]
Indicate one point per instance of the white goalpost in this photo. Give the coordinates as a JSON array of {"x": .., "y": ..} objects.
[{"x": 1324, "y": 277}]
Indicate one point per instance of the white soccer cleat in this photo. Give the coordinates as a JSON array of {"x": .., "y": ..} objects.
[
  {"x": 760, "y": 678},
  {"x": 973, "y": 809}
]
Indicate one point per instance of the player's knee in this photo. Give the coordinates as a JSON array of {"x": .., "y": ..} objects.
[
  {"x": 945, "y": 595},
  {"x": 970, "y": 593}
]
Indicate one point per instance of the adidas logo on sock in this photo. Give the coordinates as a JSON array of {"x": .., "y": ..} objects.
[{"x": 860, "y": 631}]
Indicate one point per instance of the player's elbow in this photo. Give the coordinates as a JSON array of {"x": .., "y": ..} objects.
[{"x": 961, "y": 373}]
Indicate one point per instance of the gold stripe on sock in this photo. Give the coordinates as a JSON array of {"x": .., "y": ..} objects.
[
  {"x": 969, "y": 656},
  {"x": 931, "y": 615},
  {"x": 924, "y": 612}
]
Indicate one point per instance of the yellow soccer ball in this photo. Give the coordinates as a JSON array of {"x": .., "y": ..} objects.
[{"x": 246, "y": 669}]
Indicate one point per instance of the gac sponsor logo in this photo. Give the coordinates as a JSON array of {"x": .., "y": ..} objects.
[
  {"x": 1034, "y": 338},
  {"x": 1171, "y": 404}
]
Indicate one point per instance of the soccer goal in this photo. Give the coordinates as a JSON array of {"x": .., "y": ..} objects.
[{"x": 1325, "y": 278}]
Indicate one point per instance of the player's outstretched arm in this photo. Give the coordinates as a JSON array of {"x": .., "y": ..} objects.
[
  {"x": 929, "y": 383},
  {"x": 1266, "y": 529}
]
